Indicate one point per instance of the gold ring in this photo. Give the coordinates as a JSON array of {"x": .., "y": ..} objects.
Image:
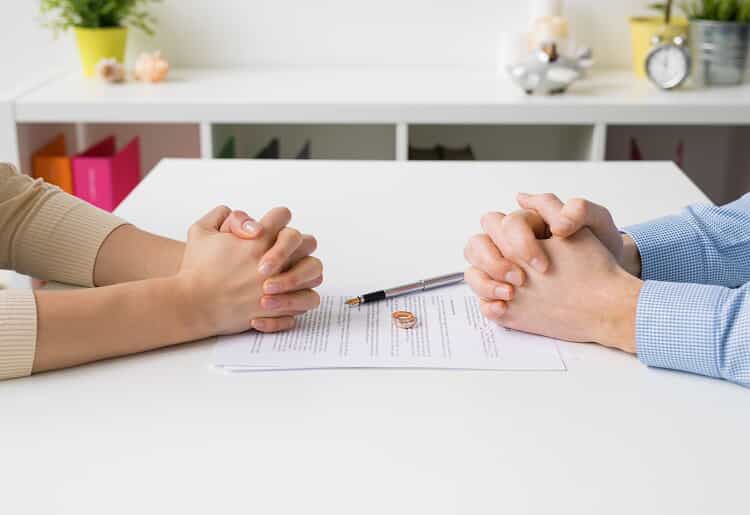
[{"x": 404, "y": 319}]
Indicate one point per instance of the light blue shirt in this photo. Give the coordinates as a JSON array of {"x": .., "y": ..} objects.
[{"x": 694, "y": 308}]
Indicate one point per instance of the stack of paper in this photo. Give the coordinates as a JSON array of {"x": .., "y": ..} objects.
[{"x": 450, "y": 333}]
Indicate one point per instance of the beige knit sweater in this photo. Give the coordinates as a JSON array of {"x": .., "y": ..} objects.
[{"x": 47, "y": 234}]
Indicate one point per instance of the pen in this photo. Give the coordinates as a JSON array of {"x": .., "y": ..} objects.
[{"x": 424, "y": 284}]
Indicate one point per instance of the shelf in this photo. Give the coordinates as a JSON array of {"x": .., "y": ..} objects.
[
  {"x": 376, "y": 113},
  {"x": 408, "y": 95}
]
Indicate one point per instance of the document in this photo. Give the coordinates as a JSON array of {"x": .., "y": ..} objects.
[{"x": 451, "y": 333}]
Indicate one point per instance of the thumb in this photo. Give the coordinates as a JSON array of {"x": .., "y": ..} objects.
[
  {"x": 242, "y": 225},
  {"x": 597, "y": 218},
  {"x": 550, "y": 208},
  {"x": 212, "y": 220}
]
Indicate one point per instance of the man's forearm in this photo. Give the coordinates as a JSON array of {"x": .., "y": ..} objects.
[
  {"x": 80, "y": 326},
  {"x": 130, "y": 254},
  {"x": 631, "y": 261}
]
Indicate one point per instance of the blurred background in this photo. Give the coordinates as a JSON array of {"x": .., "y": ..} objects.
[
  {"x": 324, "y": 32},
  {"x": 422, "y": 79}
]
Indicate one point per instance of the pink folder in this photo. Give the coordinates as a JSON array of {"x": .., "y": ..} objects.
[{"x": 103, "y": 176}]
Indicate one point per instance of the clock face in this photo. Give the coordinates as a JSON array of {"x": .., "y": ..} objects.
[{"x": 668, "y": 66}]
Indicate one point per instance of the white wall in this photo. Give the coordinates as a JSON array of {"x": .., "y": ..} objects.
[{"x": 319, "y": 32}]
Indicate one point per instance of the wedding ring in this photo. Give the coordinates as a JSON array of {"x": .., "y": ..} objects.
[{"x": 404, "y": 319}]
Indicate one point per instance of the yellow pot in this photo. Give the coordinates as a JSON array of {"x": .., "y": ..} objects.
[
  {"x": 97, "y": 44},
  {"x": 642, "y": 32}
]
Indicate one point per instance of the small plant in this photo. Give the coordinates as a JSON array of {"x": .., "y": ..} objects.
[
  {"x": 61, "y": 15},
  {"x": 665, "y": 8},
  {"x": 718, "y": 10}
]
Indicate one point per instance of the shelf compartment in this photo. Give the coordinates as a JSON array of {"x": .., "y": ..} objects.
[
  {"x": 716, "y": 158},
  {"x": 157, "y": 140},
  {"x": 328, "y": 141},
  {"x": 510, "y": 142}
]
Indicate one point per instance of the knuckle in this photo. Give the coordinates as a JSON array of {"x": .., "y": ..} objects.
[
  {"x": 273, "y": 256},
  {"x": 295, "y": 235},
  {"x": 548, "y": 197},
  {"x": 475, "y": 241},
  {"x": 486, "y": 310},
  {"x": 491, "y": 217},
  {"x": 577, "y": 207},
  {"x": 472, "y": 277},
  {"x": 286, "y": 282},
  {"x": 499, "y": 269},
  {"x": 317, "y": 265},
  {"x": 513, "y": 219},
  {"x": 194, "y": 230},
  {"x": 223, "y": 211}
]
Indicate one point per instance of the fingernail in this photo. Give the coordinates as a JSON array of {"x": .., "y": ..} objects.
[
  {"x": 502, "y": 292},
  {"x": 514, "y": 277},
  {"x": 272, "y": 288},
  {"x": 498, "y": 309},
  {"x": 251, "y": 227},
  {"x": 537, "y": 264},
  {"x": 522, "y": 195},
  {"x": 265, "y": 268},
  {"x": 271, "y": 303},
  {"x": 258, "y": 324}
]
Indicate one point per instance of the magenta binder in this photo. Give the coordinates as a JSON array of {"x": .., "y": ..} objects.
[{"x": 103, "y": 176}]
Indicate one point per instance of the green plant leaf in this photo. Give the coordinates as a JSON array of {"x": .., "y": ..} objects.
[
  {"x": 743, "y": 13},
  {"x": 61, "y": 15},
  {"x": 717, "y": 10}
]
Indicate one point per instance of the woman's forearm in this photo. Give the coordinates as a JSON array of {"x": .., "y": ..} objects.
[
  {"x": 130, "y": 254},
  {"x": 81, "y": 326},
  {"x": 211, "y": 285}
]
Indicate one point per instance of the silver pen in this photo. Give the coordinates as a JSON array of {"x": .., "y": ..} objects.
[{"x": 424, "y": 284}]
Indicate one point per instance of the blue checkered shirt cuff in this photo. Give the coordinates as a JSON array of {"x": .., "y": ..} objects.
[
  {"x": 668, "y": 250},
  {"x": 676, "y": 326}
]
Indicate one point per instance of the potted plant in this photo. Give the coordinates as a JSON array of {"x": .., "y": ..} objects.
[
  {"x": 719, "y": 36},
  {"x": 100, "y": 25},
  {"x": 644, "y": 28}
]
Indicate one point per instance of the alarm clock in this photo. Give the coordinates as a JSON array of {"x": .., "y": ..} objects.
[{"x": 668, "y": 64}]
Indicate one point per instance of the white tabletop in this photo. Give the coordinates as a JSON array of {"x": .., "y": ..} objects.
[
  {"x": 375, "y": 95},
  {"x": 164, "y": 432}
]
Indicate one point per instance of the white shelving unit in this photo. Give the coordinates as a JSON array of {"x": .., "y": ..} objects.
[{"x": 378, "y": 113}]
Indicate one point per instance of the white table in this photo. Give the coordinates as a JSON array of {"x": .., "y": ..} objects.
[{"x": 163, "y": 432}]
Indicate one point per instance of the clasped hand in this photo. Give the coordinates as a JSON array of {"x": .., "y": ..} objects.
[
  {"x": 239, "y": 274},
  {"x": 559, "y": 270}
]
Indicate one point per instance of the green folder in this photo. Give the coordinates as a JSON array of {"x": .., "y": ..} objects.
[{"x": 228, "y": 149}]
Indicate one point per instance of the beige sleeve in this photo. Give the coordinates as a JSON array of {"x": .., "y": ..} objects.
[{"x": 47, "y": 234}]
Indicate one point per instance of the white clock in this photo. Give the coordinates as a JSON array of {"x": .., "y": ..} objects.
[{"x": 668, "y": 64}]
